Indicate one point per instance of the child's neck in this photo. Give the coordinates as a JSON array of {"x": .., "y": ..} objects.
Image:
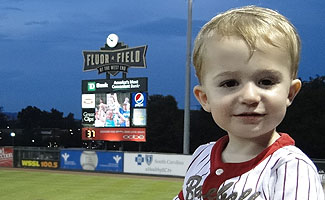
[{"x": 241, "y": 149}]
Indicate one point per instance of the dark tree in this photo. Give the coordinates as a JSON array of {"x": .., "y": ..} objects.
[
  {"x": 3, "y": 119},
  {"x": 165, "y": 125},
  {"x": 70, "y": 122},
  {"x": 203, "y": 129},
  {"x": 306, "y": 116},
  {"x": 30, "y": 117},
  {"x": 64, "y": 130}
]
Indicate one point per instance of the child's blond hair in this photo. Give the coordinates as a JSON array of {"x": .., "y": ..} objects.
[{"x": 250, "y": 23}]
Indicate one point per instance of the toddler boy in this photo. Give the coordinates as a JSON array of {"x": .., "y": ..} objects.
[{"x": 246, "y": 60}]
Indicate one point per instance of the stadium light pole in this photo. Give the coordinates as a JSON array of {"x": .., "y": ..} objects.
[{"x": 186, "y": 139}]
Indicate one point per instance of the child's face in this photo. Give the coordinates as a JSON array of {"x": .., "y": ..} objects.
[{"x": 246, "y": 97}]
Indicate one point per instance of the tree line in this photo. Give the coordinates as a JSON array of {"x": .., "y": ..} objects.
[{"x": 305, "y": 122}]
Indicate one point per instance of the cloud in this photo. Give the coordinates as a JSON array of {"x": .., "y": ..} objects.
[
  {"x": 3, "y": 37},
  {"x": 9, "y": 75},
  {"x": 44, "y": 22},
  {"x": 165, "y": 26},
  {"x": 12, "y": 9}
]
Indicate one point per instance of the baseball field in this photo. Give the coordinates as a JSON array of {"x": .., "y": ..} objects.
[{"x": 29, "y": 184}]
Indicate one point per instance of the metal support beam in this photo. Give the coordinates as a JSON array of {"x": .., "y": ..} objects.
[{"x": 186, "y": 141}]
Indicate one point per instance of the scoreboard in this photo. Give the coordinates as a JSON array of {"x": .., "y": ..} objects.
[{"x": 114, "y": 109}]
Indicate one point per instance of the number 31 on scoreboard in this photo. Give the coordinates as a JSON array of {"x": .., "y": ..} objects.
[{"x": 90, "y": 133}]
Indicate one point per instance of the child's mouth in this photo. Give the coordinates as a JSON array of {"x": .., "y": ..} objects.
[
  {"x": 250, "y": 115},
  {"x": 250, "y": 118}
]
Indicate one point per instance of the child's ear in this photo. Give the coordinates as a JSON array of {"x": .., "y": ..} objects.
[
  {"x": 201, "y": 96},
  {"x": 293, "y": 91}
]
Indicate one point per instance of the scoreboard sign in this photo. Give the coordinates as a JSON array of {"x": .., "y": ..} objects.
[
  {"x": 115, "y": 60},
  {"x": 115, "y": 57},
  {"x": 114, "y": 109}
]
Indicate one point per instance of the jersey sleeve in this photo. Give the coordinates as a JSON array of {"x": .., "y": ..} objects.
[
  {"x": 195, "y": 158},
  {"x": 296, "y": 179}
]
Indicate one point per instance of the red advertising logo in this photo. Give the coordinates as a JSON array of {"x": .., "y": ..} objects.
[
  {"x": 139, "y": 98},
  {"x": 6, "y": 156}
]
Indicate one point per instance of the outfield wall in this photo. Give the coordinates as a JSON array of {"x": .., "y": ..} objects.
[
  {"x": 99, "y": 161},
  {"x": 91, "y": 160},
  {"x": 103, "y": 161}
]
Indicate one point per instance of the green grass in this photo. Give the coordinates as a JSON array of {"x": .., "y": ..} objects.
[{"x": 45, "y": 185}]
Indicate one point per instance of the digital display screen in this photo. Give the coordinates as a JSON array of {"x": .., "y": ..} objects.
[
  {"x": 114, "y": 110},
  {"x": 139, "y": 117}
]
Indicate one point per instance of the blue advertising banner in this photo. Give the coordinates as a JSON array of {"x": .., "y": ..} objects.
[
  {"x": 92, "y": 160},
  {"x": 70, "y": 159},
  {"x": 110, "y": 161}
]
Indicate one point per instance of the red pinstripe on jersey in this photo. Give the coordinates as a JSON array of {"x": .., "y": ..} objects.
[{"x": 281, "y": 171}]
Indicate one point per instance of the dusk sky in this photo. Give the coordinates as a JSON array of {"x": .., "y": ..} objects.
[{"x": 41, "y": 61}]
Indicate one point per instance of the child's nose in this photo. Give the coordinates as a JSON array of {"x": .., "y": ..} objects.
[{"x": 249, "y": 94}]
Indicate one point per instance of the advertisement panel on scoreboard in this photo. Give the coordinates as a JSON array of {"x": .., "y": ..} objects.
[
  {"x": 114, "y": 109},
  {"x": 114, "y": 85},
  {"x": 114, "y": 134}
]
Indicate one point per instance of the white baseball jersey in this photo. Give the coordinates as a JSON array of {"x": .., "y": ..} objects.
[{"x": 280, "y": 172}]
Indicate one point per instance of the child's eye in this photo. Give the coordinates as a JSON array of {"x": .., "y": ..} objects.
[
  {"x": 266, "y": 82},
  {"x": 229, "y": 83}
]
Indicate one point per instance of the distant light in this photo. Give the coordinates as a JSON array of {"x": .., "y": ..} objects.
[
  {"x": 70, "y": 130},
  {"x": 71, "y": 133},
  {"x": 12, "y": 134},
  {"x": 8, "y": 127},
  {"x": 33, "y": 141}
]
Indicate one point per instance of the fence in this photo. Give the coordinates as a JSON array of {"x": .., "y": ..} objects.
[
  {"x": 104, "y": 161},
  {"x": 91, "y": 160}
]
